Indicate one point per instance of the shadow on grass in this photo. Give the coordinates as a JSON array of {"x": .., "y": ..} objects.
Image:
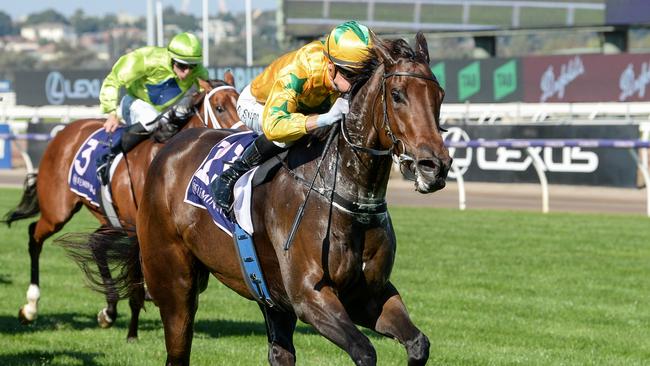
[
  {"x": 225, "y": 328},
  {"x": 53, "y": 322},
  {"x": 216, "y": 328},
  {"x": 48, "y": 358},
  {"x": 5, "y": 279}
]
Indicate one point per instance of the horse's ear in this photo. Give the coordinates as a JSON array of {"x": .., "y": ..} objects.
[
  {"x": 381, "y": 50},
  {"x": 229, "y": 78},
  {"x": 205, "y": 85},
  {"x": 421, "y": 47}
]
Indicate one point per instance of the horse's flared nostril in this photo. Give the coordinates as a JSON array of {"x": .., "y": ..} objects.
[{"x": 427, "y": 166}]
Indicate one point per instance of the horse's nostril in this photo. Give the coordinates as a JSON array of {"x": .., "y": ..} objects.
[{"x": 427, "y": 166}]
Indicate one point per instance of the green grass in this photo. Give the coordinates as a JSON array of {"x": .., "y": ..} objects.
[{"x": 487, "y": 287}]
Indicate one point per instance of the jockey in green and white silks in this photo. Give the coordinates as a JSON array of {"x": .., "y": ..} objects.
[{"x": 156, "y": 80}]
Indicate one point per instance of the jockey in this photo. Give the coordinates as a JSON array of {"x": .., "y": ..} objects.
[
  {"x": 296, "y": 94},
  {"x": 156, "y": 80}
]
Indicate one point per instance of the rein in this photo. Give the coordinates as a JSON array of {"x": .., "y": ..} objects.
[
  {"x": 336, "y": 199},
  {"x": 208, "y": 113},
  {"x": 385, "y": 121}
]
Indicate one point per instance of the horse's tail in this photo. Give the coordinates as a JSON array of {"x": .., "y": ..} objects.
[
  {"x": 107, "y": 249},
  {"x": 28, "y": 206}
]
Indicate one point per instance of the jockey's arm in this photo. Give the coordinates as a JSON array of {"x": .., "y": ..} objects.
[
  {"x": 112, "y": 122},
  {"x": 311, "y": 123},
  {"x": 281, "y": 120},
  {"x": 127, "y": 69}
]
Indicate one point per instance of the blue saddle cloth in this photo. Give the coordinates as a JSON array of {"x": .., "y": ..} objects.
[
  {"x": 82, "y": 177},
  {"x": 220, "y": 157}
]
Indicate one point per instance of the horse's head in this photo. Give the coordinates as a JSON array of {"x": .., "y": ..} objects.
[
  {"x": 406, "y": 111},
  {"x": 219, "y": 102}
]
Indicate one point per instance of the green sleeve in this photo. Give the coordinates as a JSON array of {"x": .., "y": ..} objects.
[{"x": 127, "y": 69}]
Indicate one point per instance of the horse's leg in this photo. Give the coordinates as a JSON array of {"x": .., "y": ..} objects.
[
  {"x": 386, "y": 314},
  {"x": 324, "y": 311},
  {"x": 279, "y": 331},
  {"x": 136, "y": 303},
  {"x": 106, "y": 317},
  {"x": 172, "y": 280},
  {"x": 47, "y": 225}
]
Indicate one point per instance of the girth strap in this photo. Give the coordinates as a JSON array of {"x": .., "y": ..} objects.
[{"x": 360, "y": 208}]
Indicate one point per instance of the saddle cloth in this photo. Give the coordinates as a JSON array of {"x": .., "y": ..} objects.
[
  {"x": 82, "y": 177},
  {"x": 219, "y": 159}
]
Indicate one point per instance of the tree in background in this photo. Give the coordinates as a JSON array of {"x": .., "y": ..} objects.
[
  {"x": 187, "y": 23},
  {"x": 6, "y": 25},
  {"x": 46, "y": 16},
  {"x": 83, "y": 23}
]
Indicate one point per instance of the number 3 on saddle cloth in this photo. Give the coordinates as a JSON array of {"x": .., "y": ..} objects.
[
  {"x": 82, "y": 177},
  {"x": 198, "y": 194}
]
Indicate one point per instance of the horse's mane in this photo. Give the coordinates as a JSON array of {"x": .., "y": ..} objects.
[
  {"x": 197, "y": 96},
  {"x": 397, "y": 48}
]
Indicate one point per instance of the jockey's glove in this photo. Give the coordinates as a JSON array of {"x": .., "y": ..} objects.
[{"x": 335, "y": 114}]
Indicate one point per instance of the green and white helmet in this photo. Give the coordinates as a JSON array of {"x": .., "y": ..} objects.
[{"x": 185, "y": 48}]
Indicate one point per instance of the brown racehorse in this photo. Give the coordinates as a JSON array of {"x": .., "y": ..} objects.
[
  {"x": 336, "y": 274},
  {"x": 51, "y": 195}
]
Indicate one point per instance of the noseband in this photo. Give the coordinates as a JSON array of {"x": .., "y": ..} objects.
[{"x": 401, "y": 157}]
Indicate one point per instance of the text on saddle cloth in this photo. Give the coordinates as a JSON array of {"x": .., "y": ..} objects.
[
  {"x": 219, "y": 159},
  {"x": 82, "y": 177}
]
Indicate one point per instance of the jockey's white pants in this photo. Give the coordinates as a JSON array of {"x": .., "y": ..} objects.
[
  {"x": 250, "y": 112},
  {"x": 135, "y": 110}
]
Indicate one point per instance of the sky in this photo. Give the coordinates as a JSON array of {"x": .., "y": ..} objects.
[{"x": 20, "y": 8}]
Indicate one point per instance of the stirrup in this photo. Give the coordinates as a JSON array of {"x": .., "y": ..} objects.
[{"x": 103, "y": 170}]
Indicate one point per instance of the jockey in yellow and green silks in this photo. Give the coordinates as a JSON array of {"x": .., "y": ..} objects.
[
  {"x": 156, "y": 80},
  {"x": 296, "y": 94}
]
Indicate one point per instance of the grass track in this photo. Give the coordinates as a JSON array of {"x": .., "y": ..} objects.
[{"x": 487, "y": 287}]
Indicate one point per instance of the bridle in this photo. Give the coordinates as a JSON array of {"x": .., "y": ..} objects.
[
  {"x": 208, "y": 113},
  {"x": 402, "y": 157},
  {"x": 377, "y": 207}
]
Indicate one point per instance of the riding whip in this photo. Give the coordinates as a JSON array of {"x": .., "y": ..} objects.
[{"x": 301, "y": 211}]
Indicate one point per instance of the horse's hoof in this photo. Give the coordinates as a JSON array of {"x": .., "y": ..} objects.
[
  {"x": 131, "y": 339},
  {"x": 26, "y": 317},
  {"x": 104, "y": 320}
]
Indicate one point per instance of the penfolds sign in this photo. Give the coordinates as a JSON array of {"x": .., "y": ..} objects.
[{"x": 586, "y": 78}]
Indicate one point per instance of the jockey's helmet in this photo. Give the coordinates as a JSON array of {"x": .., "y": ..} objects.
[
  {"x": 348, "y": 45},
  {"x": 185, "y": 48}
]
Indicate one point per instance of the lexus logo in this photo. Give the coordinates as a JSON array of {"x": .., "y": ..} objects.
[{"x": 462, "y": 162}]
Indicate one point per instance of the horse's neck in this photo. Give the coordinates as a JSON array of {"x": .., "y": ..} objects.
[
  {"x": 363, "y": 177},
  {"x": 197, "y": 118}
]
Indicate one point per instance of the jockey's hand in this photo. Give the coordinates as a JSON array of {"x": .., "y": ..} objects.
[
  {"x": 112, "y": 122},
  {"x": 335, "y": 114}
]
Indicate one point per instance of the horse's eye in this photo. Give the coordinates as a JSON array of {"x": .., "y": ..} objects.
[
  {"x": 397, "y": 96},
  {"x": 219, "y": 109}
]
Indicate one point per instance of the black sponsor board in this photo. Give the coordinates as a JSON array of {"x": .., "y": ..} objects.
[
  {"x": 36, "y": 148},
  {"x": 82, "y": 87},
  {"x": 59, "y": 87},
  {"x": 562, "y": 165}
]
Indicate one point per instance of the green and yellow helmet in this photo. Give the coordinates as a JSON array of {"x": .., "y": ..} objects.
[
  {"x": 185, "y": 48},
  {"x": 348, "y": 45}
]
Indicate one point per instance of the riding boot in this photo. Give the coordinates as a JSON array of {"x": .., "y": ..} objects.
[
  {"x": 255, "y": 154},
  {"x": 131, "y": 137}
]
